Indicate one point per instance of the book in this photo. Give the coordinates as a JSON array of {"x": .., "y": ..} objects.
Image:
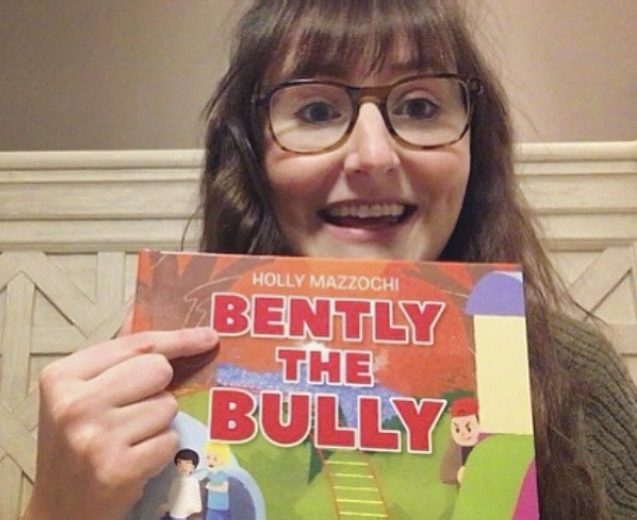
[{"x": 344, "y": 389}]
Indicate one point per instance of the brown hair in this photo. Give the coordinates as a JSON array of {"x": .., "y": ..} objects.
[{"x": 301, "y": 38}]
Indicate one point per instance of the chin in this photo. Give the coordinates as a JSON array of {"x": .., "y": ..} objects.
[
  {"x": 349, "y": 250},
  {"x": 355, "y": 243}
]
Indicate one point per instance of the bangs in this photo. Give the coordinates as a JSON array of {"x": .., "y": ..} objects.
[{"x": 336, "y": 38}]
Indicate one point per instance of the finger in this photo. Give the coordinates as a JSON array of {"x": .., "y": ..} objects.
[
  {"x": 143, "y": 420},
  {"x": 132, "y": 380},
  {"x": 92, "y": 361},
  {"x": 184, "y": 342},
  {"x": 151, "y": 455}
]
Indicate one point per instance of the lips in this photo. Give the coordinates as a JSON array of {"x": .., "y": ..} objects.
[{"x": 366, "y": 214}]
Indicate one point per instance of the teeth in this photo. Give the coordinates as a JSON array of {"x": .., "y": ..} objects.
[{"x": 367, "y": 210}]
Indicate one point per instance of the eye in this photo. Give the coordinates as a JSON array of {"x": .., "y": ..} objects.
[
  {"x": 318, "y": 112},
  {"x": 416, "y": 108}
]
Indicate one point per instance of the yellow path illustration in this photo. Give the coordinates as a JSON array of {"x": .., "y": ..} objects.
[{"x": 354, "y": 485}]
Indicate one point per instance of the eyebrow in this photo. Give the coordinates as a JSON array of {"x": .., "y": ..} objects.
[
  {"x": 404, "y": 66},
  {"x": 340, "y": 73},
  {"x": 335, "y": 69}
]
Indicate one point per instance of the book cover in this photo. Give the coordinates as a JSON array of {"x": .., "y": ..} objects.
[{"x": 344, "y": 389}]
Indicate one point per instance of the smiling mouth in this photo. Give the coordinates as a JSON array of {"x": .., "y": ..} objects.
[{"x": 367, "y": 215}]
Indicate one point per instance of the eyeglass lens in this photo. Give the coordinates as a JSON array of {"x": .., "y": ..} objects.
[{"x": 425, "y": 111}]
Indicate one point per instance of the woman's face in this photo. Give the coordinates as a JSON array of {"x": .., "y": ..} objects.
[{"x": 371, "y": 197}]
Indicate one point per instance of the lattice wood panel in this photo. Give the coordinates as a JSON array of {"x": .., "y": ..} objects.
[
  {"x": 49, "y": 310},
  {"x": 605, "y": 283},
  {"x": 584, "y": 196}
]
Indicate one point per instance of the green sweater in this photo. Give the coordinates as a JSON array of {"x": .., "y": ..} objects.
[{"x": 610, "y": 411}]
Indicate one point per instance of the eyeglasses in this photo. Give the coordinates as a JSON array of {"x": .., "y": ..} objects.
[{"x": 421, "y": 112}]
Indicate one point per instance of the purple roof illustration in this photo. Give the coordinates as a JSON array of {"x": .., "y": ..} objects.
[
  {"x": 497, "y": 294},
  {"x": 233, "y": 375}
]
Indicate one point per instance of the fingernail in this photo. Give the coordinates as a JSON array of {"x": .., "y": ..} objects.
[{"x": 209, "y": 335}]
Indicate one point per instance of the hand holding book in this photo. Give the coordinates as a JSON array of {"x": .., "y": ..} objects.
[{"x": 105, "y": 416}]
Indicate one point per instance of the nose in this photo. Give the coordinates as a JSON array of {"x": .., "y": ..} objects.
[{"x": 370, "y": 148}]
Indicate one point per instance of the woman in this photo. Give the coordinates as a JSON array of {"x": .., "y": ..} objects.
[{"x": 384, "y": 137}]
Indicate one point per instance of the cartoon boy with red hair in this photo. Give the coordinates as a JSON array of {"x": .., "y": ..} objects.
[{"x": 465, "y": 433}]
